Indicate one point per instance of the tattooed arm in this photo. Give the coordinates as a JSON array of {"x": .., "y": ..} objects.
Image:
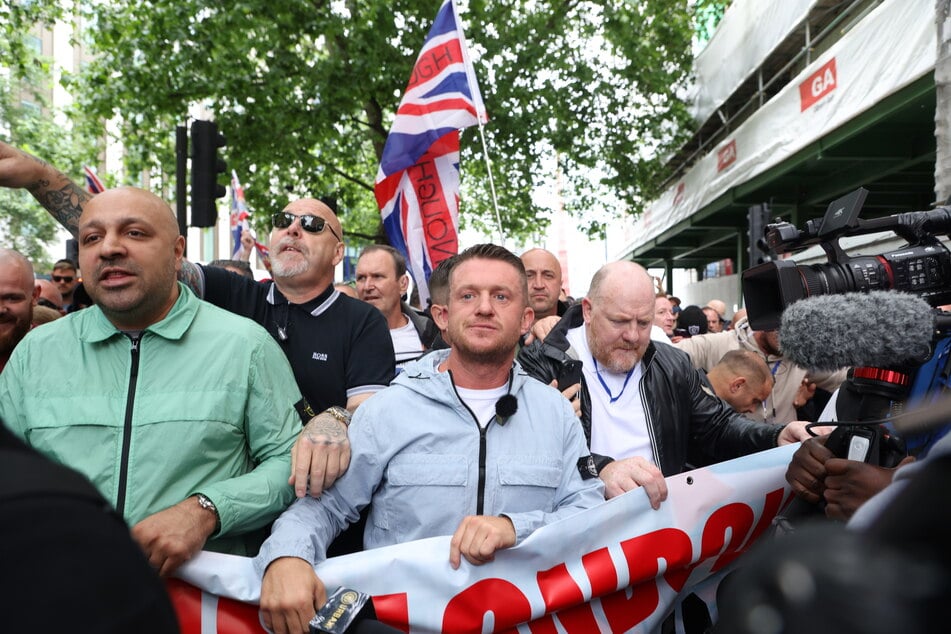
[{"x": 63, "y": 198}]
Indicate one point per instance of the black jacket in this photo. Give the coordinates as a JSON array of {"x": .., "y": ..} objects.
[
  {"x": 686, "y": 424},
  {"x": 429, "y": 334}
]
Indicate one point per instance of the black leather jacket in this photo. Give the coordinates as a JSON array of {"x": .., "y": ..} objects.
[
  {"x": 686, "y": 424},
  {"x": 425, "y": 327}
]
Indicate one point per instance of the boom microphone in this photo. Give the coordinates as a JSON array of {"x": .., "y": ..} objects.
[{"x": 875, "y": 329}]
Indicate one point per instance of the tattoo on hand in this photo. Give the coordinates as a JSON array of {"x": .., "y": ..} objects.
[{"x": 326, "y": 429}]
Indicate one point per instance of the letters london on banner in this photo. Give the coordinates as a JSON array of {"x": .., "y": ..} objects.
[
  {"x": 623, "y": 567},
  {"x": 417, "y": 186}
]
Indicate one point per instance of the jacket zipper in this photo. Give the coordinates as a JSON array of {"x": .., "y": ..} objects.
[
  {"x": 480, "y": 492},
  {"x": 480, "y": 499},
  {"x": 127, "y": 427},
  {"x": 647, "y": 414}
]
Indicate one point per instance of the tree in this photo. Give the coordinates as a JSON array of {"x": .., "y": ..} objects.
[
  {"x": 306, "y": 91},
  {"x": 28, "y": 121}
]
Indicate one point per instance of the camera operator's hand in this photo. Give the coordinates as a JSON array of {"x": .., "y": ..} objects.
[
  {"x": 849, "y": 483},
  {"x": 807, "y": 472}
]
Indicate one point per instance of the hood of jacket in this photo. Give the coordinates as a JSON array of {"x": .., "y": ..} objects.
[{"x": 424, "y": 377}]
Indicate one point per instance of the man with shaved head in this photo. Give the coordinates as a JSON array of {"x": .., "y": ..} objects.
[
  {"x": 179, "y": 412},
  {"x": 743, "y": 380},
  {"x": 18, "y": 296},
  {"x": 339, "y": 348},
  {"x": 49, "y": 296},
  {"x": 643, "y": 408},
  {"x": 544, "y": 283}
]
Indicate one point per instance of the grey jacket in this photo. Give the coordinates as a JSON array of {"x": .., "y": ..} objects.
[{"x": 423, "y": 461}]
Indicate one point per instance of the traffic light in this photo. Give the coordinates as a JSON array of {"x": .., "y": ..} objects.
[
  {"x": 205, "y": 169},
  {"x": 758, "y": 219}
]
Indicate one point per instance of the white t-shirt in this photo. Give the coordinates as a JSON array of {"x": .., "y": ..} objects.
[
  {"x": 406, "y": 344},
  {"x": 618, "y": 428},
  {"x": 658, "y": 334},
  {"x": 482, "y": 402}
]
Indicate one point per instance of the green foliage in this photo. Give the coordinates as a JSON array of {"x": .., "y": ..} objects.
[
  {"x": 28, "y": 121},
  {"x": 582, "y": 96}
]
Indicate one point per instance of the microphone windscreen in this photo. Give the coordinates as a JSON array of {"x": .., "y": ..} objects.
[
  {"x": 875, "y": 329},
  {"x": 506, "y": 407}
]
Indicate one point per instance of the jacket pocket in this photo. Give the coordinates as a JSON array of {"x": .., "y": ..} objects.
[
  {"x": 422, "y": 493},
  {"x": 529, "y": 483}
]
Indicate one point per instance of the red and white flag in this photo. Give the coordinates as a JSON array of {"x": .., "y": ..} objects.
[{"x": 93, "y": 184}]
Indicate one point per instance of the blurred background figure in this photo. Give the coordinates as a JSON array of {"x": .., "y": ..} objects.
[
  {"x": 235, "y": 266},
  {"x": 664, "y": 319},
  {"x": 690, "y": 322},
  {"x": 713, "y": 320},
  {"x": 66, "y": 277}
]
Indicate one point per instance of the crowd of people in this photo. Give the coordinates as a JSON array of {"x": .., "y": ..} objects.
[{"x": 263, "y": 418}]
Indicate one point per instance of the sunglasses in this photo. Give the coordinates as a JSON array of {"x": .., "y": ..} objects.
[
  {"x": 62, "y": 278},
  {"x": 45, "y": 302},
  {"x": 309, "y": 223}
]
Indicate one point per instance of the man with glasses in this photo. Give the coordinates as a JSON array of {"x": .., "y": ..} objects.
[
  {"x": 66, "y": 277},
  {"x": 339, "y": 347},
  {"x": 50, "y": 296}
]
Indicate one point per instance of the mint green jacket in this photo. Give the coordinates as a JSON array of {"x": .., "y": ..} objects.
[{"x": 205, "y": 405}]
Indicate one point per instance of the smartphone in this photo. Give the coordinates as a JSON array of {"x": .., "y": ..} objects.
[{"x": 569, "y": 374}]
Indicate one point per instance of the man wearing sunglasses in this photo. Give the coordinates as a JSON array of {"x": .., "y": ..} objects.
[
  {"x": 66, "y": 277},
  {"x": 50, "y": 296},
  {"x": 339, "y": 348}
]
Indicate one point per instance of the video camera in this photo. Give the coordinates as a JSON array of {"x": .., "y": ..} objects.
[
  {"x": 922, "y": 267},
  {"x": 879, "y": 384}
]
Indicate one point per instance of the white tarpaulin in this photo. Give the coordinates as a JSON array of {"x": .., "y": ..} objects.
[
  {"x": 892, "y": 47},
  {"x": 619, "y": 567},
  {"x": 744, "y": 38}
]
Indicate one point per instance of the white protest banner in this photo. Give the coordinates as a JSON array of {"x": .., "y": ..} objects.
[{"x": 619, "y": 567}]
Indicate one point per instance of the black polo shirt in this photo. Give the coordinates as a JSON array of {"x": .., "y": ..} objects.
[{"x": 338, "y": 346}]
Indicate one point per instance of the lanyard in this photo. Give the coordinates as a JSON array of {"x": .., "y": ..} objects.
[
  {"x": 766, "y": 417},
  {"x": 605, "y": 385}
]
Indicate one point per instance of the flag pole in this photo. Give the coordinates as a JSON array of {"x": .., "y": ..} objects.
[
  {"x": 488, "y": 168},
  {"x": 481, "y": 117}
]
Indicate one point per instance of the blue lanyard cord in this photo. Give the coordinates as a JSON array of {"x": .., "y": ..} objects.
[{"x": 605, "y": 385}]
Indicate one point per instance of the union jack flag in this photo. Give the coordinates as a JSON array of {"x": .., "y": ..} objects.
[
  {"x": 417, "y": 186},
  {"x": 264, "y": 253},
  {"x": 93, "y": 184},
  {"x": 239, "y": 215}
]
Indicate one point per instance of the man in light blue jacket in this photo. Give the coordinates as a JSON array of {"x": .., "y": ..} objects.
[{"x": 463, "y": 443}]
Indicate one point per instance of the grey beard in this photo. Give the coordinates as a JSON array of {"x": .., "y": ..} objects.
[{"x": 282, "y": 269}]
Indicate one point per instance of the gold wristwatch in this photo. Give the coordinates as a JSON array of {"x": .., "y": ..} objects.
[{"x": 341, "y": 414}]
